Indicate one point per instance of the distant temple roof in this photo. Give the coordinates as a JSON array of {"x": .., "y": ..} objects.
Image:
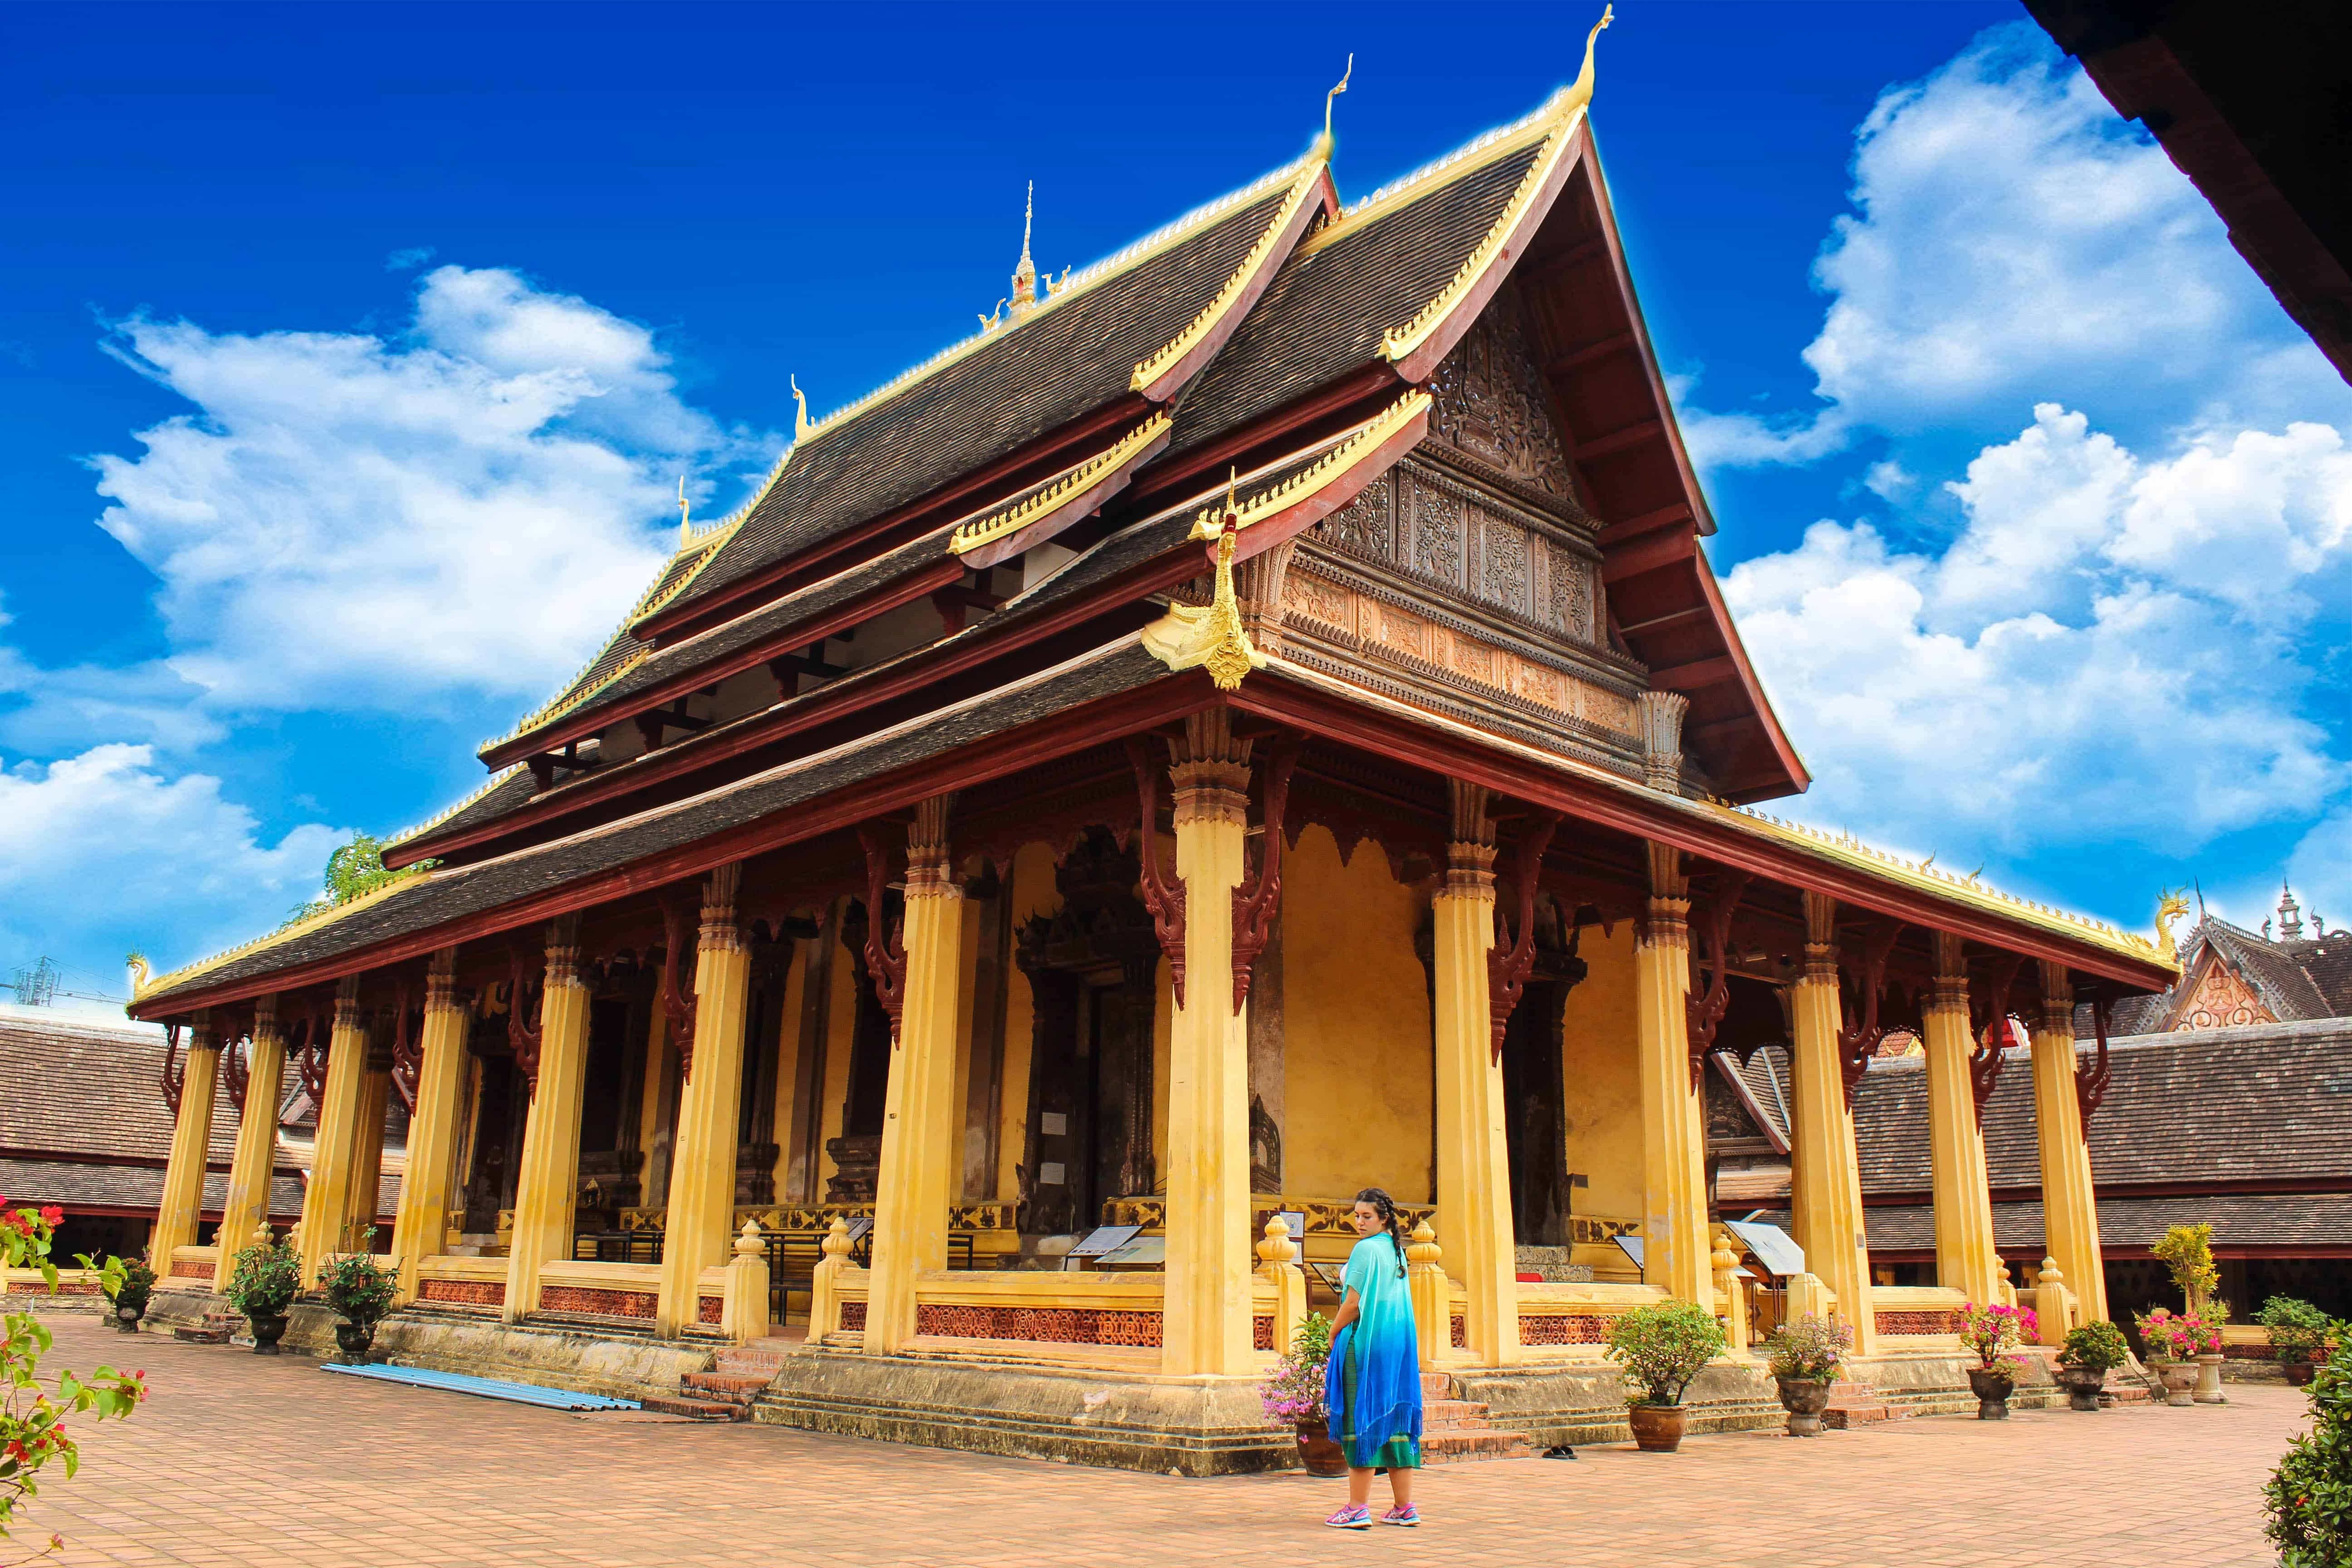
[{"x": 2233, "y": 976}]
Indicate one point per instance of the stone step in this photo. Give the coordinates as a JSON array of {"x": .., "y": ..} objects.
[
  {"x": 1437, "y": 1385},
  {"x": 1460, "y": 1447},
  {"x": 1856, "y": 1403},
  {"x": 749, "y": 1362},
  {"x": 2128, "y": 1392},
  {"x": 694, "y": 1409},
  {"x": 207, "y": 1335},
  {"x": 1453, "y": 1414},
  {"x": 729, "y": 1388}
]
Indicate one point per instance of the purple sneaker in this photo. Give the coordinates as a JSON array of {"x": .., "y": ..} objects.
[
  {"x": 1407, "y": 1515},
  {"x": 1352, "y": 1517}
]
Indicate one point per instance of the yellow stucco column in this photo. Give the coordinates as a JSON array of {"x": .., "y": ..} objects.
[
  {"x": 367, "y": 1148},
  {"x": 921, "y": 1157},
  {"x": 419, "y": 1229},
  {"x": 1205, "y": 1328},
  {"x": 330, "y": 1159},
  {"x": 183, "y": 1201},
  {"x": 2069, "y": 1210},
  {"x": 1825, "y": 1179},
  {"x": 1677, "y": 1247},
  {"x": 699, "y": 1230},
  {"x": 247, "y": 1206},
  {"x": 1473, "y": 1172},
  {"x": 547, "y": 1183},
  {"x": 1966, "y": 1258}
]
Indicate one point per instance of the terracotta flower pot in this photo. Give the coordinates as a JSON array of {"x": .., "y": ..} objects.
[
  {"x": 1992, "y": 1387},
  {"x": 268, "y": 1329},
  {"x": 2180, "y": 1379},
  {"x": 1657, "y": 1429},
  {"x": 1319, "y": 1450},
  {"x": 2082, "y": 1385},
  {"x": 2298, "y": 1373},
  {"x": 2208, "y": 1379},
  {"x": 1804, "y": 1398}
]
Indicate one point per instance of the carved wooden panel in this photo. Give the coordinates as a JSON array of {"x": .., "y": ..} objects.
[
  {"x": 1490, "y": 402},
  {"x": 2221, "y": 1000},
  {"x": 1366, "y": 525},
  {"x": 1437, "y": 541}
]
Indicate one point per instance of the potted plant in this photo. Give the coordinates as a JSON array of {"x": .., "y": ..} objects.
[
  {"x": 359, "y": 1289},
  {"x": 2187, "y": 1252},
  {"x": 1659, "y": 1350},
  {"x": 2298, "y": 1332},
  {"x": 130, "y": 1297},
  {"x": 1805, "y": 1356},
  {"x": 262, "y": 1284},
  {"x": 2090, "y": 1353},
  {"x": 1294, "y": 1394},
  {"x": 1992, "y": 1333},
  {"x": 2173, "y": 1340},
  {"x": 2309, "y": 1522}
]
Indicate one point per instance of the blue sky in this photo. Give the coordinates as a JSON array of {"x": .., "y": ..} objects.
[{"x": 349, "y": 355}]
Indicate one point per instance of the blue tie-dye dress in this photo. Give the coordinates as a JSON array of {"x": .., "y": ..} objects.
[{"x": 1373, "y": 1383}]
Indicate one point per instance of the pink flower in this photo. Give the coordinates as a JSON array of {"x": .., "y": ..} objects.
[{"x": 53, "y": 1216}]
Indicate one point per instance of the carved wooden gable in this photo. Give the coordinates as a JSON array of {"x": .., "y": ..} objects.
[
  {"x": 1491, "y": 406},
  {"x": 2218, "y": 999}
]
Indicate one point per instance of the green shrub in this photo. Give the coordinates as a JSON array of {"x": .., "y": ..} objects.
[
  {"x": 2297, "y": 1329},
  {"x": 2187, "y": 1252},
  {"x": 1810, "y": 1350},
  {"x": 2097, "y": 1346},
  {"x": 358, "y": 1288},
  {"x": 2309, "y": 1497},
  {"x": 264, "y": 1280},
  {"x": 1662, "y": 1348},
  {"x": 137, "y": 1287}
]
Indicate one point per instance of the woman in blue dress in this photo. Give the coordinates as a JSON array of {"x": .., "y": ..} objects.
[{"x": 1372, "y": 1385}]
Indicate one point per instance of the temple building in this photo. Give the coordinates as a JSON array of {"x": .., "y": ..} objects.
[{"x": 1252, "y": 723}]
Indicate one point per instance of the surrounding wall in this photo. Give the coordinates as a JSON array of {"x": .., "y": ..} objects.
[{"x": 1603, "y": 1097}]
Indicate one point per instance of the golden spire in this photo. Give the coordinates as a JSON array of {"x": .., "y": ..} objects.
[
  {"x": 684, "y": 526},
  {"x": 1025, "y": 275},
  {"x": 1323, "y": 146},
  {"x": 1580, "y": 91},
  {"x": 803, "y": 426}
]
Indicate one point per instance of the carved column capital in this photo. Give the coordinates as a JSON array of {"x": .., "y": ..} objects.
[
  {"x": 563, "y": 950},
  {"x": 1470, "y": 870},
  {"x": 2057, "y": 999},
  {"x": 1209, "y": 769},
  {"x": 1661, "y": 739},
  {"x": 721, "y": 930},
  {"x": 1820, "y": 939},
  {"x": 347, "y": 1003},
  {"x": 926, "y": 850},
  {"x": 1950, "y": 991},
  {"x": 1668, "y": 924},
  {"x": 205, "y": 1035},
  {"x": 264, "y": 1016},
  {"x": 441, "y": 981}
]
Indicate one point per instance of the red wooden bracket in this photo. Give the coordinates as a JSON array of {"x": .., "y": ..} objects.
[
  {"x": 885, "y": 949},
  {"x": 677, "y": 1002},
  {"x": 1859, "y": 1030},
  {"x": 1163, "y": 896},
  {"x": 1507, "y": 968},
  {"x": 1989, "y": 1027},
  {"x": 1255, "y": 908},
  {"x": 2091, "y": 1082},
  {"x": 1703, "y": 1011}
]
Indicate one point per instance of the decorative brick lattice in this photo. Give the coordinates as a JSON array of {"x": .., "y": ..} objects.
[
  {"x": 463, "y": 1293},
  {"x": 1046, "y": 1325},
  {"x": 1461, "y": 1332},
  {"x": 1261, "y": 1333},
  {"x": 853, "y": 1317},
  {"x": 596, "y": 1303},
  {"x": 192, "y": 1269},
  {"x": 709, "y": 1310},
  {"x": 1549, "y": 1330},
  {"x": 1917, "y": 1322}
]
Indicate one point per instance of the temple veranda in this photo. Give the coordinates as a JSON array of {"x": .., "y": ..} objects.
[{"x": 1292, "y": 748}]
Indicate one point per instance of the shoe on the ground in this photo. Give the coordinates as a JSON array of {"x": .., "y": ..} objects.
[
  {"x": 1407, "y": 1515},
  {"x": 1351, "y": 1517}
]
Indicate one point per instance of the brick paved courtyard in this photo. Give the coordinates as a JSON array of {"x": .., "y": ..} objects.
[{"x": 239, "y": 1459}]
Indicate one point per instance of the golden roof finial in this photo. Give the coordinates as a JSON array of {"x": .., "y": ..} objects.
[
  {"x": 1323, "y": 147},
  {"x": 803, "y": 426},
  {"x": 1580, "y": 91},
  {"x": 1025, "y": 275},
  {"x": 1209, "y": 635},
  {"x": 2169, "y": 907},
  {"x": 684, "y": 526}
]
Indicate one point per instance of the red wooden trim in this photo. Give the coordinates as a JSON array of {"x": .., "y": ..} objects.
[
  {"x": 1091, "y": 724},
  {"x": 1174, "y": 379},
  {"x": 1619, "y": 439},
  {"x": 591, "y": 720},
  {"x": 1284, "y": 701},
  {"x": 1335, "y": 491},
  {"x": 1696, "y": 674},
  {"x": 1017, "y": 468},
  {"x": 1085, "y": 503},
  {"x": 1654, "y": 550},
  {"x": 1376, "y": 378}
]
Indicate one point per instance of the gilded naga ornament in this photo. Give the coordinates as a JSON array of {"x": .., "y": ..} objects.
[
  {"x": 2169, "y": 907},
  {"x": 1209, "y": 635}
]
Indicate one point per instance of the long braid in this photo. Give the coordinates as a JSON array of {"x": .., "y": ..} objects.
[{"x": 1385, "y": 1206}]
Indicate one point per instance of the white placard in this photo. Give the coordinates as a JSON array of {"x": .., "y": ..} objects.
[
  {"x": 1052, "y": 1124},
  {"x": 1049, "y": 1175}
]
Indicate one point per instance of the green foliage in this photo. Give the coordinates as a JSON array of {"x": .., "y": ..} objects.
[
  {"x": 137, "y": 1285},
  {"x": 263, "y": 1281},
  {"x": 1294, "y": 1392},
  {"x": 2298, "y": 1327},
  {"x": 32, "y": 1415},
  {"x": 2187, "y": 1251},
  {"x": 1659, "y": 1349},
  {"x": 1993, "y": 1331},
  {"x": 354, "y": 870},
  {"x": 358, "y": 1288},
  {"x": 2309, "y": 1497},
  {"x": 2098, "y": 1346},
  {"x": 1811, "y": 1349}
]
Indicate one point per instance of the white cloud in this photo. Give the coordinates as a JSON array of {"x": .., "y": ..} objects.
[
  {"x": 2064, "y": 673},
  {"x": 102, "y": 851},
  {"x": 2013, "y": 241},
  {"x": 346, "y": 521}
]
